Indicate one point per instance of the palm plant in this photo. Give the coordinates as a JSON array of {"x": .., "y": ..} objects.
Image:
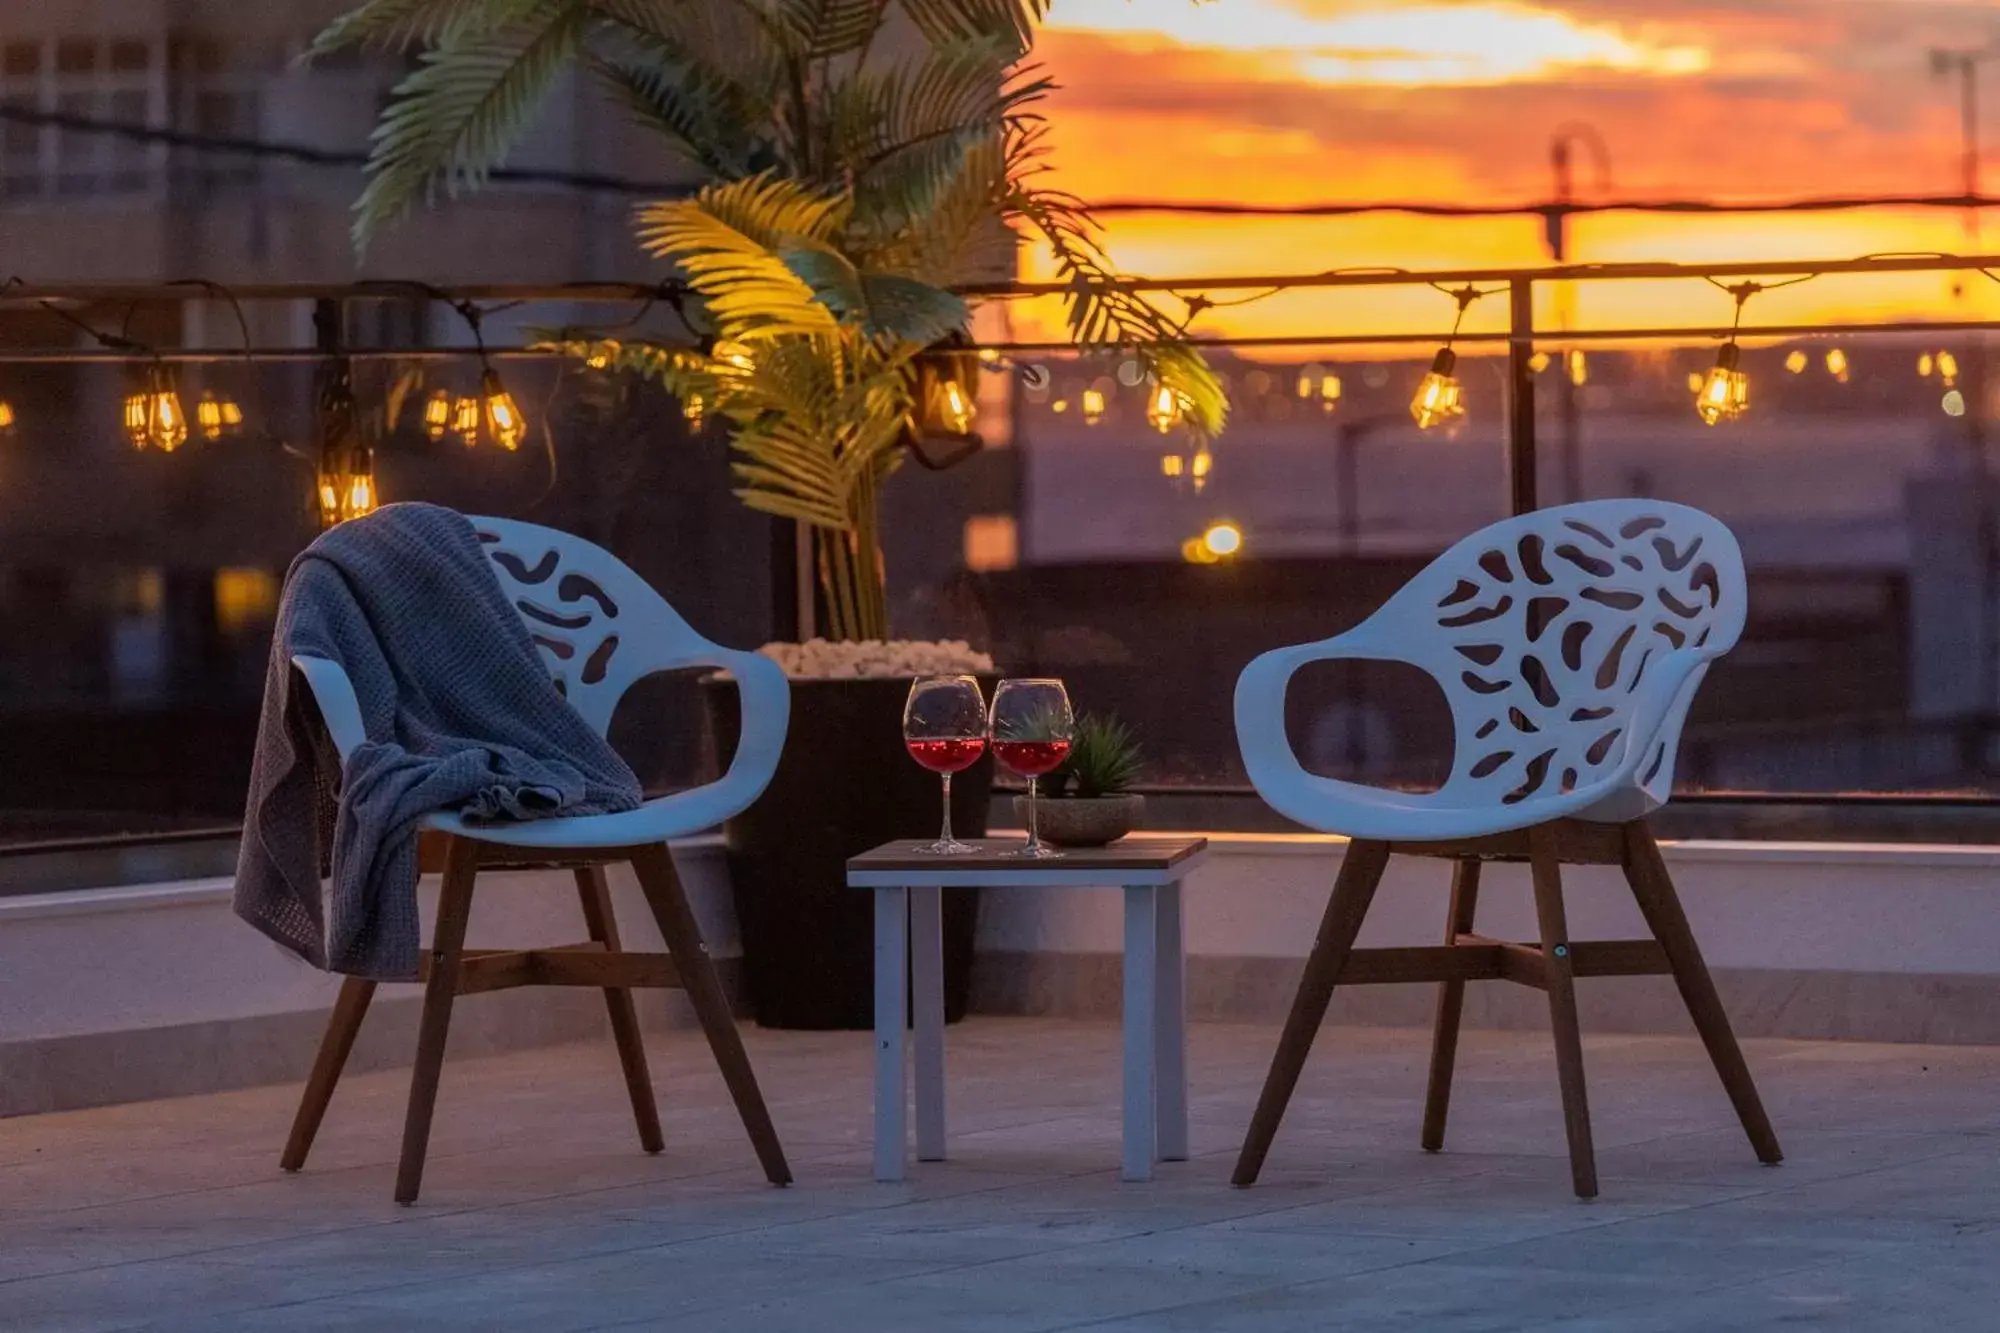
[{"x": 850, "y": 187}]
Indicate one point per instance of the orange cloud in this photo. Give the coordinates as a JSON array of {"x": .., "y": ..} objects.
[{"x": 1374, "y": 100}]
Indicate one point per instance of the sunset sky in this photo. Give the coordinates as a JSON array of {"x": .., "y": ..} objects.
[{"x": 1297, "y": 101}]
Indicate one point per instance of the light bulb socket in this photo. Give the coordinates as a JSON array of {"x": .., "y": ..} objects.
[
  {"x": 1445, "y": 362},
  {"x": 1728, "y": 356}
]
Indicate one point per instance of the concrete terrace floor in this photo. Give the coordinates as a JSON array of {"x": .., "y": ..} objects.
[{"x": 540, "y": 1213}]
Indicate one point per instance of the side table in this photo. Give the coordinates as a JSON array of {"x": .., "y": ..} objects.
[{"x": 908, "y": 887}]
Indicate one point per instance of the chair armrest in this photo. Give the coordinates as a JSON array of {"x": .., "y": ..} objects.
[
  {"x": 1273, "y": 768},
  {"x": 338, "y": 707},
  {"x": 765, "y": 708}
]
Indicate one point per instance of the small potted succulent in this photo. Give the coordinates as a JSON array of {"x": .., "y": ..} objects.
[{"x": 1088, "y": 801}]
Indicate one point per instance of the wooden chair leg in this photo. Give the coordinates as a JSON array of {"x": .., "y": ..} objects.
[
  {"x": 1646, "y": 872},
  {"x": 1451, "y": 1001},
  {"x": 461, "y": 867},
  {"x": 1354, "y": 888},
  {"x": 1557, "y": 966},
  {"x": 348, "y": 1011},
  {"x": 602, "y": 923},
  {"x": 662, "y": 884}
]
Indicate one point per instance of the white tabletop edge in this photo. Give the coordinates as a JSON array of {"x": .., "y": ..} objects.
[{"x": 1048, "y": 874}]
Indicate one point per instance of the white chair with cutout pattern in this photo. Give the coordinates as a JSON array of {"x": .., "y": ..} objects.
[
  {"x": 1568, "y": 643},
  {"x": 600, "y": 627}
]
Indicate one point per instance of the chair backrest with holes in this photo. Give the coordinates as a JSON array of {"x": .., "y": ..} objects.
[
  {"x": 598, "y": 625},
  {"x": 1540, "y": 628}
]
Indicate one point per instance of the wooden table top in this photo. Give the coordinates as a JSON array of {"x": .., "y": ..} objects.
[{"x": 1155, "y": 855}]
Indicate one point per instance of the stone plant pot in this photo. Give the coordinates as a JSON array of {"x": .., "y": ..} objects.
[{"x": 1077, "y": 821}]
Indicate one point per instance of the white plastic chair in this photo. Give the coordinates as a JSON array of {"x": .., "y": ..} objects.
[
  {"x": 599, "y": 627},
  {"x": 1568, "y": 643}
]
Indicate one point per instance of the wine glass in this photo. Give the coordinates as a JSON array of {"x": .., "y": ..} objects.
[
  {"x": 1032, "y": 728},
  {"x": 944, "y": 727}
]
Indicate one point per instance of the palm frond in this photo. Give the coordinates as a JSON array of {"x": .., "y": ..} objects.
[
  {"x": 459, "y": 113},
  {"x": 818, "y": 29},
  {"x": 397, "y": 25},
  {"x": 943, "y": 21},
  {"x": 699, "y": 112},
  {"x": 727, "y": 241}
]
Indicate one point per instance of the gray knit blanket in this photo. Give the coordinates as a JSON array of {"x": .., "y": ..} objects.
[{"x": 460, "y": 715}]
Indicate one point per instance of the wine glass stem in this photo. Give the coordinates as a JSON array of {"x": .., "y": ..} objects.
[
  {"x": 1034, "y": 826},
  {"x": 944, "y": 839}
]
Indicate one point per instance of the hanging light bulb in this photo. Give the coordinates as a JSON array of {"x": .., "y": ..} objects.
[
  {"x": 694, "y": 410},
  {"x": 1836, "y": 364},
  {"x": 1172, "y": 465},
  {"x": 1947, "y": 366},
  {"x": 208, "y": 415},
  {"x": 947, "y": 378},
  {"x": 1539, "y": 362},
  {"x": 1578, "y": 366},
  {"x": 1439, "y": 397},
  {"x": 1200, "y": 466},
  {"x": 437, "y": 414},
  {"x": 1725, "y": 393},
  {"x": 1163, "y": 408},
  {"x": 1795, "y": 360},
  {"x": 154, "y": 417},
  {"x": 1306, "y": 379},
  {"x": 1925, "y": 364},
  {"x": 465, "y": 420},
  {"x": 1329, "y": 392},
  {"x": 504, "y": 421},
  {"x": 1093, "y": 406},
  {"x": 345, "y": 478},
  {"x": 232, "y": 416},
  {"x": 6, "y": 417}
]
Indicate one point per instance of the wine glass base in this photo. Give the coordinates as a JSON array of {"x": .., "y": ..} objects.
[
  {"x": 1034, "y": 851},
  {"x": 951, "y": 847}
]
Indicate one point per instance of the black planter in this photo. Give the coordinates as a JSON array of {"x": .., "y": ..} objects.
[{"x": 844, "y": 785}]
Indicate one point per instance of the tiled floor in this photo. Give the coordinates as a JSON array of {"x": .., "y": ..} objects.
[{"x": 540, "y": 1214}]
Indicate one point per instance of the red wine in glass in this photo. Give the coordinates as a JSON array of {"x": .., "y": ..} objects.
[
  {"x": 944, "y": 729},
  {"x": 1030, "y": 759},
  {"x": 948, "y": 756}
]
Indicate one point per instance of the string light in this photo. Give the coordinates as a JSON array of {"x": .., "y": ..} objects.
[
  {"x": 345, "y": 480},
  {"x": 1836, "y": 364},
  {"x": 217, "y": 416},
  {"x": 1947, "y": 366},
  {"x": 1093, "y": 406},
  {"x": 503, "y": 418},
  {"x": 1924, "y": 365},
  {"x": 693, "y": 409},
  {"x": 1173, "y": 465},
  {"x": 1200, "y": 466},
  {"x": 1329, "y": 392},
  {"x": 6, "y": 417},
  {"x": 947, "y": 374},
  {"x": 1539, "y": 362},
  {"x": 1795, "y": 361},
  {"x": 154, "y": 417},
  {"x": 1725, "y": 394},
  {"x": 437, "y": 414},
  {"x": 1439, "y": 397},
  {"x": 1578, "y": 366},
  {"x": 1164, "y": 408},
  {"x": 465, "y": 420}
]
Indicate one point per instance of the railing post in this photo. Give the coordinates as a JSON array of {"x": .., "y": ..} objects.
[{"x": 1520, "y": 394}]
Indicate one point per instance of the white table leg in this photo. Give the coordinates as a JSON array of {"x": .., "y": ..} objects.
[
  {"x": 1171, "y": 1019},
  {"x": 927, "y": 993},
  {"x": 892, "y": 922},
  {"x": 1140, "y": 1010}
]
